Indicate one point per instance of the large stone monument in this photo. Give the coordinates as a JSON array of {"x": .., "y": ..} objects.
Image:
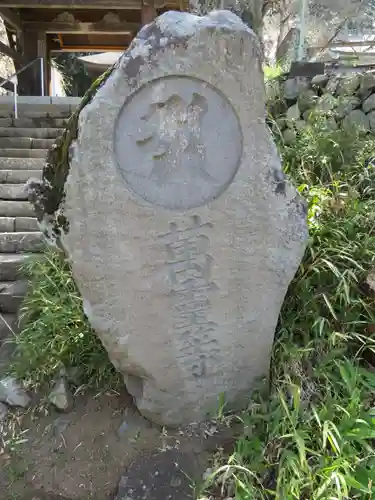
[{"x": 182, "y": 232}]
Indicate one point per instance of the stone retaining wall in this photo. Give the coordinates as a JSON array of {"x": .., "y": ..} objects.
[{"x": 344, "y": 101}]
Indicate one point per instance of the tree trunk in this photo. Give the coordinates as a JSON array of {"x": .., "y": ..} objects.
[{"x": 252, "y": 14}]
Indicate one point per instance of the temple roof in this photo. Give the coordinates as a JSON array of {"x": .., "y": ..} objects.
[{"x": 83, "y": 25}]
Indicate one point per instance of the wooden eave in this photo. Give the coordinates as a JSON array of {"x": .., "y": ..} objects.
[{"x": 82, "y": 24}]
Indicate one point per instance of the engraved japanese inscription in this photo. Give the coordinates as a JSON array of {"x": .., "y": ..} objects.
[
  {"x": 178, "y": 142},
  {"x": 189, "y": 270},
  {"x": 181, "y": 246}
]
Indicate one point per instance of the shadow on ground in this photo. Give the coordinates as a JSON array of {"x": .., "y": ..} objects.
[{"x": 104, "y": 450}]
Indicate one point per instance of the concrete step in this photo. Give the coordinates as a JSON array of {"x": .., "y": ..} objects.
[
  {"x": 11, "y": 265},
  {"x": 22, "y": 163},
  {"x": 43, "y": 122},
  {"x": 30, "y": 132},
  {"x": 22, "y": 242},
  {"x": 19, "y": 176},
  {"x": 36, "y": 111},
  {"x": 12, "y": 294},
  {"x": 26, "y": 142},
  {"x": 19, "y": 224},
  {"x": 23, "y": 153},
  {"x": 13, "y": 192},
  {"x": 53, "y": 106},
  {"x": 33, "y": 114},
  {"x": 8, "y": 331},
  {"x": 8, "y": 327},
  {"x": 14, "y": 208}
]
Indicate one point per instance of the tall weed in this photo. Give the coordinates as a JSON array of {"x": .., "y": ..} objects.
[
  {"x": 310, "y": 434},
  {"x": 55, "y": 334}
]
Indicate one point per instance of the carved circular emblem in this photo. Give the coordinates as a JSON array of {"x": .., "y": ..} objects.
[{"x": 178, "y": 142}]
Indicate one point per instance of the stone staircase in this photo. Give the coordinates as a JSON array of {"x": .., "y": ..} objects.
[{"x": 24, "y": 143}]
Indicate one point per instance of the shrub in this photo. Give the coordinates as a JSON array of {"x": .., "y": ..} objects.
[
  {"x": 310, "y": 433},
  {"x": 55, "y": 333}
]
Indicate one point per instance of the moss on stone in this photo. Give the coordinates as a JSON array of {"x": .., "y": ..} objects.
[{"x": 48, "y": 195}]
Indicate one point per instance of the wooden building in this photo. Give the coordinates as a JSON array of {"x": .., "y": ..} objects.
[{"x": 35, "y": 28}]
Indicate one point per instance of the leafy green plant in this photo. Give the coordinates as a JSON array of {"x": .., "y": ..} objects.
[
  {"x": 273, "y": 86},
  {"x": 309, "y": 434},
  {"x": 76, "y": 79},
  {"x": 272, "y": 72},
  {"x": 309, "y": 431},
  {"x": 55, "y": 333}
]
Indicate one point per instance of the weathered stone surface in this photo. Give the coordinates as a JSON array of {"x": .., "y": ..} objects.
[
  {"x": 25, "y": 142},
  {"x": 369, "y": 104},
  {"x": 21, "y": 242},
  {"x": 12, "y": 224},
  {"x": 23, "y": 152},
  {"x": 358, "y": 120},
  {"x": 293, "y": 113},
  {"x": 182, "y": 232},
  {"x": 11, "y": 208},
  {"x": 294, "y": 86},
  {"x": 289, "y": 136},
  {"x": 326, "y": 103},
  {"x": 24, "y": 224},
  {"x": 8, "y": 335},
  {"x": 331, "y": 123},
  {"x": 13, "y": 192},
  {"x": 348, "y": 85},
  {"x": 12, "y": 393},
  {"x": 346, "y": 105},
  {"x": 300, "y": 124},
  {"x": 11, "y": 295},
  {"x": 320, "y": 81},
  {"x": 307, "y": 100},
  {"x": 19, "y": 176},
  {"x": 22, "y": 164},
  {"x": 368, "y": 286},
  {"x": 8, "y": 326},
  {"x": 281, "y": 123},
  {"x": 11, "y": 264},
  {"x": 160, "y": 476},
  {"x": 332, "y": 84},
  {"x": 371, "y": 117},
  {"x": 367, "y": 85},
  {"x": 60, "y": 395},
  {"x": 3, "y": 412}
]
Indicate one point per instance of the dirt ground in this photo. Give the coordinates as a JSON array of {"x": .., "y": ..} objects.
[
  {"x": 103, "y": 442},
  {"x": 83, "y": 454},
  {"x": 79, "y": 455}
]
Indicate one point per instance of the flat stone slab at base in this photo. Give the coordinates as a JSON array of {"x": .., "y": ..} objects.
[
  {"x": 165, "y": 475},
  {"x": 39, "y": 495}
]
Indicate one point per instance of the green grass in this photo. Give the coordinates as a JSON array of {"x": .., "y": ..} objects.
[
  {"x": 273, "y": 72},
  {"x": 309, "y": 433},
  {"x": 56, "y": 334}
]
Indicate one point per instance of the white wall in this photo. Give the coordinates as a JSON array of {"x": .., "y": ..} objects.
[{"x": 56, "y": 83}]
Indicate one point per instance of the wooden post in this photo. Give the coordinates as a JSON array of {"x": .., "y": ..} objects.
[
  {"x": 148, "y": 12},
  {"x": 49, "y": 65},
  {"x": 42, "y": 52},
  {"x": 28, "y": 80}
]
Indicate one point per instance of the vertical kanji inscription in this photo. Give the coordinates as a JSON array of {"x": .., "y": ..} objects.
[{"x": 189, "y": 270}]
